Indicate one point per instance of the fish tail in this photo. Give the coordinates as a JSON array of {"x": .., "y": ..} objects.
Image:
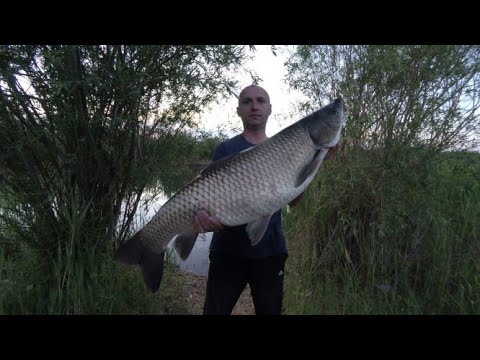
[{"x": 133, "y": 252}]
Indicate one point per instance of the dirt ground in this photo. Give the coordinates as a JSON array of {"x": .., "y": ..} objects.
[{"x": 195, "y": 287}]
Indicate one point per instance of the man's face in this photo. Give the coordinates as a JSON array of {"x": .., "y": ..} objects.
[{"x": 254, "y": 107}]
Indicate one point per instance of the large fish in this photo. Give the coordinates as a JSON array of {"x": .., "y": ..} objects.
[{"x": 246, "y": 188}]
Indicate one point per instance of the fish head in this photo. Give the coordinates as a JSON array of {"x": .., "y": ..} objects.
[{"x": 325, "y": 124}]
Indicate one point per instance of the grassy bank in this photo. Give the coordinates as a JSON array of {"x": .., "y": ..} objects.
[{"x": 387, "y": 236}]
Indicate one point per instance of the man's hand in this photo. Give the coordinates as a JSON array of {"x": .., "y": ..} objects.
[{"x": 204, "y": 222}]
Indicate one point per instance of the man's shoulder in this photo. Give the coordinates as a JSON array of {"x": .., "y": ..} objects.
[
  {"x": 231, "y": 146},
  {"x": 233, "y": 140}
]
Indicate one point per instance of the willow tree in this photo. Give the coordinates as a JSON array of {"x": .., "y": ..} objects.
[
  {"x": 396, "y": 95},
  {"x": 78, "y": 128}
]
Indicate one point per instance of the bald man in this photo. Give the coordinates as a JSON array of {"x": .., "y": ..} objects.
[{"x": 234, "y": 262}]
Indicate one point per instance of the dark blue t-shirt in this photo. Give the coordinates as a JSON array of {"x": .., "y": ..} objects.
[{"x": 234, "y": 240}]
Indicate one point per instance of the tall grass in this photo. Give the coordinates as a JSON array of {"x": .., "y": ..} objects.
[
  {"x": 387, "y": 236},
  {"x": 77, "y": 279}
]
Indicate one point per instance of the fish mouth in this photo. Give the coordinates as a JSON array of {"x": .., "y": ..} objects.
[{"x": 339, "y": 102}]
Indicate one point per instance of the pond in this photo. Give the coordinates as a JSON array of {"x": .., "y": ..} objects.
[{"x": 198, "y": 261}]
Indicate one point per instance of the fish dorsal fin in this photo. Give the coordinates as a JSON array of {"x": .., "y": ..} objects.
[
  {"x": 256, "y": 229},
  {"x": 184, "y": 244},
  {"x": 311, "y": 169},
  {"x": 216, "y": 164}
]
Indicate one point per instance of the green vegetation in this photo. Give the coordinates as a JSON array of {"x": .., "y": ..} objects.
[
  {"x": 397, "y": 241},
  {"x": 85, "y": 280},
  {"x": 85, "y": 131},
  {"x": 390, "y": 225}
]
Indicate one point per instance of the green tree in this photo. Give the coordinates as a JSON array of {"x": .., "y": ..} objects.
[
  {"x": 80, "y": 128},
  {"x": 396, "y": 95}
]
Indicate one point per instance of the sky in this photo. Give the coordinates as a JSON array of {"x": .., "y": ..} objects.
[{"x": 271, "y": 70}]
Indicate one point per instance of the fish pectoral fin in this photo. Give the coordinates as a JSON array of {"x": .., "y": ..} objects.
[
  {"x": 256, "y": 229},
  {"x": 311, "y": 169},
  {"x": 184, "y": 244}
]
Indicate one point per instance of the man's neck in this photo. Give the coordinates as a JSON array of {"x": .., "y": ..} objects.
[{"x": 254, "y": 137}]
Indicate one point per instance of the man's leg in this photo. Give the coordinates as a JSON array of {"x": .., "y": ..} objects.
[
  {"x": 226, "y": 281},
  {"x": 266, "y": 284}
]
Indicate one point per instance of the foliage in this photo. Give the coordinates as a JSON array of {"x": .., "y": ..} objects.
[
  {"x": 395, "y": 246},
  {"x": 396, "y": 96},
  {"x": 178, "y": 158},
  {"x": 81, "y": 128},
  {"x": 391, "y": 224}
]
